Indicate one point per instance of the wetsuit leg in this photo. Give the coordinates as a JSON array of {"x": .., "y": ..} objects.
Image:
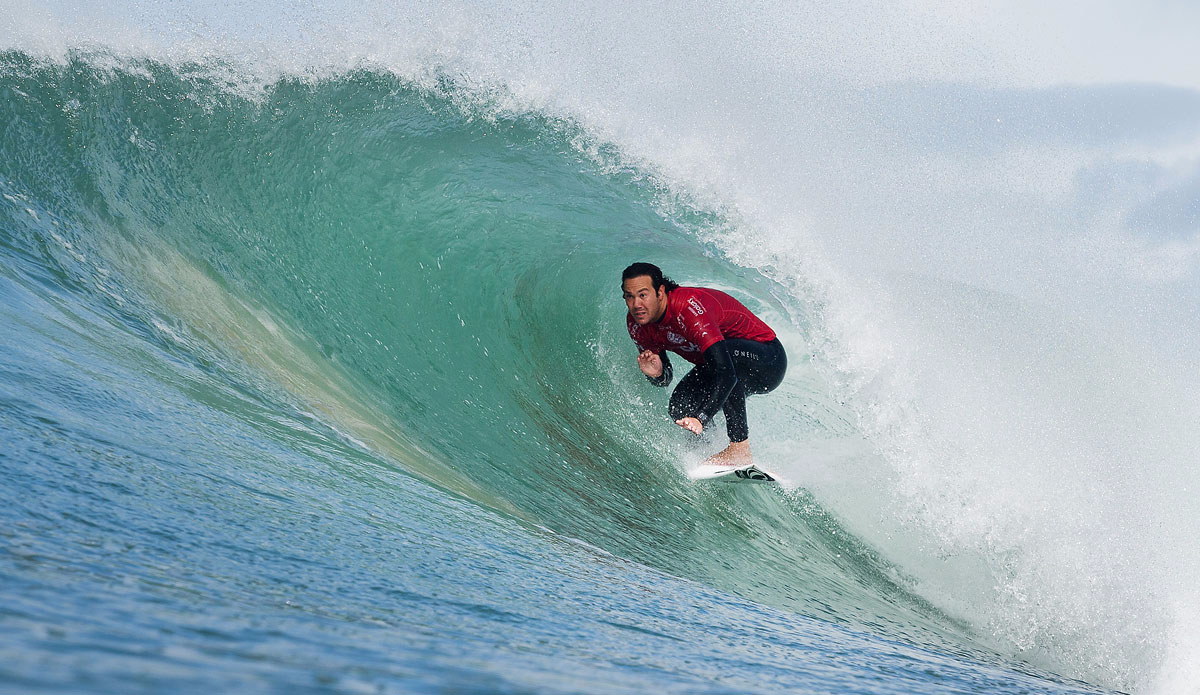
[
  {"x": 760, "y": 368},
  {"x": 736, "y": 422},
  {"x": 690, "y": 393}
]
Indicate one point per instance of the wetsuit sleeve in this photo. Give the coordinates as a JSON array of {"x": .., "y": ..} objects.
[
  {"x": 663, "y": 379},
  {"x": 719, "y": 363}
]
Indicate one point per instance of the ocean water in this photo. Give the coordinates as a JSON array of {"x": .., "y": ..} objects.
[{"x": 314, "y": 374}]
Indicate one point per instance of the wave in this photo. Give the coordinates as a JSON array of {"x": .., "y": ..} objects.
[
  {"x": 426, "y": 261},
  {"x": 440, "y": 288}
]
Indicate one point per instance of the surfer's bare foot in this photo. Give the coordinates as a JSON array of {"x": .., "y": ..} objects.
[{"x": 736, "y": 454}]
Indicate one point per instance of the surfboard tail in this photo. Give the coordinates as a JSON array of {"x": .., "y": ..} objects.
[{"x": 732, "y": 474}]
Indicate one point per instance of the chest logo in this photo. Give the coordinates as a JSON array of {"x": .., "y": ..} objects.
[{"x": 681, "y": 342}]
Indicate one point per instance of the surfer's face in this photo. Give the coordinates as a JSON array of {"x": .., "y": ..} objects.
[{"x": 645, "y": 305}]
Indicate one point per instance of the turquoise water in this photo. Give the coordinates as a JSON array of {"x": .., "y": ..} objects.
[
  {"x": 327, "y": 388},
  {"x": 328, "y": 392}
]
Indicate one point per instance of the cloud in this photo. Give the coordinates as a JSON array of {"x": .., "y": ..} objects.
[
  {"x": 953, "y": 117},
  {"x": 1173, "y": 212}
]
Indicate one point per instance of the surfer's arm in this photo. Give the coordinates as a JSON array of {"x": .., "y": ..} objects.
[
  {"x": 655, "y": 366},
  {"x": 665, "y": 378},
  {"x": 719, "y": 363}
]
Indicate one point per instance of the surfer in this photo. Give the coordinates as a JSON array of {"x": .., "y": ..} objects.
[{"x": 736, "y": 354}]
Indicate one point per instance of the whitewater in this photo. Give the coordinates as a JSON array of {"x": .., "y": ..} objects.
[{"x": 314, "y": 374}]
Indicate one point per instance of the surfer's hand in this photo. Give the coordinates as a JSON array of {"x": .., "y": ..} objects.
[
  {"x": 650, "y": 364},
  {"x": 690, "y": 424}
]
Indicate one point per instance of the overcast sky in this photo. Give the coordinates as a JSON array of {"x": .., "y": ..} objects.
[{"x": 1022, "y": 42}]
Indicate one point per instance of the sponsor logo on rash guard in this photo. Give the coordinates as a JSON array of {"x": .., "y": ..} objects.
[
  {"x": 696, "y": 306},
  {"x": 681, "y": 342}
]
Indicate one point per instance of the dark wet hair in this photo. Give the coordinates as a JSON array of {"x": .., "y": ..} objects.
[{"x": 656, "y": 275}]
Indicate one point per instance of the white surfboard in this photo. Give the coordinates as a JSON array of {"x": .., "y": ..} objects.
[{"x": 732, "y": 474}]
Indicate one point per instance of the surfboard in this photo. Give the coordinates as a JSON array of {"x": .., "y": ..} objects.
[{"x": 732, "y": 474}]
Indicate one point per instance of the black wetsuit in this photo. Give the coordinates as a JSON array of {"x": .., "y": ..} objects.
[
  {"x": 736, "y": 354},
  {"x": 732, "y": 369}
]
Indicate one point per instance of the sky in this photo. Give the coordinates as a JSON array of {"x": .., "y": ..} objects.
[{"x": 1021, "y": 41}]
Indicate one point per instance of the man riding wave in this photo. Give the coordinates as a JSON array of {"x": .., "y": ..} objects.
[{"x": 736, "y": 354}]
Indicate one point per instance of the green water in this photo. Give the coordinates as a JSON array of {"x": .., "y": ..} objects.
[{"x": 389, "y": 281}]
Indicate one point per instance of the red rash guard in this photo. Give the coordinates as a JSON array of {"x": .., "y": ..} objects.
[{"x": 695, "y": 319}]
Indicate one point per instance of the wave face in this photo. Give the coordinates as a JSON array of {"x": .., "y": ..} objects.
[{"x": 328, "y": 349}]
